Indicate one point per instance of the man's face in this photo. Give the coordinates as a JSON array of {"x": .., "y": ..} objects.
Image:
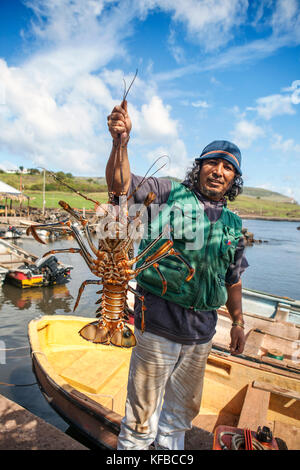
[{"x": 216, "y": 177}]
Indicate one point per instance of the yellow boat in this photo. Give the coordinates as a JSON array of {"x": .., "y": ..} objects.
[{"x": 86, "y": 384}]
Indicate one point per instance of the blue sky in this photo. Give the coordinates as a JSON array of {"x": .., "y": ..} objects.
[{"x": 207, "y": 69}]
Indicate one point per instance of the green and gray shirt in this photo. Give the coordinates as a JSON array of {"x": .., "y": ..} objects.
[{"x": 187, "y": 312}]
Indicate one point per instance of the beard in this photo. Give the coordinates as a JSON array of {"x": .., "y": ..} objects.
[{"x": 211, "y": 193}]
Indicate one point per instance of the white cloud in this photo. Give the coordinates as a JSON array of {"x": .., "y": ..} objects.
[
  {"x": 274, "y": 105},
  {"x": 154, "y": 123},
  {"x": 246, "y": 132},
  {"x": 200, "y": 104},
  {"x": 286, "y": 16},
  {"x": 210, "y": 24},
  {"x": 178, "y": 160},
  {"x": 176, "y": 50},
  {"x": 270, "y": 106},
  {"x": 56, "y": 102},
  {"x": 7, "y": 165},
  {"x": 287, "y": 145}
]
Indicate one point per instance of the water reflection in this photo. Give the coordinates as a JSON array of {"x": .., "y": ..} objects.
[{"x": 47, "y": 300}]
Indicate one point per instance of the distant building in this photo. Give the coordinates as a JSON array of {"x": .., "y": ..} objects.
[{"x": 24, "y": 171}]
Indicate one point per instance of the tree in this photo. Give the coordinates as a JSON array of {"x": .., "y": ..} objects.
[{"x": 33, "y": 171}]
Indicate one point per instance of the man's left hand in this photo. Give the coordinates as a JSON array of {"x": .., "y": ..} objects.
[{"x": 237, "y": 340}]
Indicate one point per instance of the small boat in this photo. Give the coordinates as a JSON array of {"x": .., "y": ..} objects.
[
  {"x": 10, "y": 233},
  {"x": 3, "y": 272},
  {"x": 13, "y": 255},
  {"x": 271, "y": 306},
  {"x": 86, "y": 384},
  {"x": 44, "y": 272}
]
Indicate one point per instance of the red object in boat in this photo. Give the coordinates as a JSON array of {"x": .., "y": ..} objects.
[{"x": 223, "y": 439}]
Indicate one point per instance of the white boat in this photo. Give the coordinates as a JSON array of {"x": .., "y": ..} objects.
[
  {"x": 271, "y": 306},
  {"x": 3, "y": 272}
]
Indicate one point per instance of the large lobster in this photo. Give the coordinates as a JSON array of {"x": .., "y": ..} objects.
[{"x": 112, "y": 264}]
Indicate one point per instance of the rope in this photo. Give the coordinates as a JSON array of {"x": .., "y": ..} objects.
[
  {"x": 238, "y": 441},
  {"x": 13, "y": 349},
  {"x": 17, "y": 385}
]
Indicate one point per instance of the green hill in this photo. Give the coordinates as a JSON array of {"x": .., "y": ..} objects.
[
  {"x": 253, "y": 202},
  {"x": 265, "y": 194}
]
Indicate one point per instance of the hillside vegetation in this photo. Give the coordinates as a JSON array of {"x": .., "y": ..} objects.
[
  {"x": 265, "y": 194},
  {"x": 264, "y": 207},
  {"x": 34, "y": 182},
  {"x": 253, "y": 202}
]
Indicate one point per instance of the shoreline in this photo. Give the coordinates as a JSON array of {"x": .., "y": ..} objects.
[{"x": 273, "y": 218}]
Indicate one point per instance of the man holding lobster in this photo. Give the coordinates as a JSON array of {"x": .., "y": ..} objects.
[{"x": 168, "y": 363}]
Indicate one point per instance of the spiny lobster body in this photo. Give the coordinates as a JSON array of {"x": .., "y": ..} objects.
[
  {"x": 110, "y": 261},
  {"x": 111, "y": 264}
]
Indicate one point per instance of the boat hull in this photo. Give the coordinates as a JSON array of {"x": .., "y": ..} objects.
[
  {"x": 86, "y": 384},
  {"x": 22, "y": 280}
]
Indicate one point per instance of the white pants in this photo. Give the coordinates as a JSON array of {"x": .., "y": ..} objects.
[{"x": 160, "y": 368}]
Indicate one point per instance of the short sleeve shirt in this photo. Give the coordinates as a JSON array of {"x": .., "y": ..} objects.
[{"x": 165, "y": 318}]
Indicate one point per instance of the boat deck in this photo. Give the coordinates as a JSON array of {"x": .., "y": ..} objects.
[{"x": 96, "y": 375}]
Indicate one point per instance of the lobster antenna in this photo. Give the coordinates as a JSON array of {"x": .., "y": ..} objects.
[
  {"x": 126, "y": 92},
  {"x": 70, "y": 187},
  {"x": 118, "y": 151},
  {"x": 145, "y": 178}
]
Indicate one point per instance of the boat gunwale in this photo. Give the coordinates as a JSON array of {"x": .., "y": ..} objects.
[
  {"x": 58, "y": 382},
  {"x": 109, "y": 420},
  {"x": 109, "y": 428}
]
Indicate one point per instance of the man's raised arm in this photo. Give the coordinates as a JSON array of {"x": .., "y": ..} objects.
[{"x": 119, "y": 125}]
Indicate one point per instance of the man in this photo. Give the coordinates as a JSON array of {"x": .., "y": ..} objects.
[{"x": 167, "y": 365}]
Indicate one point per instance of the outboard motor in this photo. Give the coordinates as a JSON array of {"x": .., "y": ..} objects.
[{"x": 53, "y": 271}]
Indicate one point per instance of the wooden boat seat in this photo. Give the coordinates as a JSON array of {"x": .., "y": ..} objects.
[
  {"x": 282, "y": 312},
  {"x": 254, "y": 342},
  {"x": 255, "y": 408},
  {"x": 94, "y": 369}
]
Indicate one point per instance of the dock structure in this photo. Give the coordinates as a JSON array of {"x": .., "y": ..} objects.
[
  {"x": 22, "y": 430},
  {"x": 12, "y": 256}
]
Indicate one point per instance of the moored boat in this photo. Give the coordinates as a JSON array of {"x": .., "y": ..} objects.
[
  {"x": 86, "y": 384},
  {"x": 3, "y": 272},
  {"x": 44, "y": 272},
  {"x": 10, "y": 233},
  {"x": 271, "y": 306}
]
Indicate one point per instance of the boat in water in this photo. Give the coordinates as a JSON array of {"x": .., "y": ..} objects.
[
  {"x": 271, "y": 306},
  {"x": 10, "y": 233},
  {"x": 86, "y": 383},
  {"x": 3, "y": 272},
  {"x": 44, "y": 272}
]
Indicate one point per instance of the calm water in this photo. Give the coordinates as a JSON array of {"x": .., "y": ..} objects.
[{"x": 274, "y": 268}]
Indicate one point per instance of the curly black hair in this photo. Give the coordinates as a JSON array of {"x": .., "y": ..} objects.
[{"x": 192, "y": 175}]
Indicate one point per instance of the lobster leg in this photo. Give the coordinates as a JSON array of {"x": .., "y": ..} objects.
[
  {"x": 136, "y": 221},
  {"x": 62, "y": 250},
  {"x": 81, "y": 289},
  {"x": 191, "y": 270},
  {"x": 146, "y": 250},
  {"x": 82, "y": 220},
  {"x": 142, "y": 299},
  {"x": 85, "y": 253},
  {"x": 163, "y": 251},
  {"x": 162, "y": 278},
  {"x": 33, "y": 228}
]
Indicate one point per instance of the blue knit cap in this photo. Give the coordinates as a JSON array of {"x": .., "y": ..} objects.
[{"x": 223, "y": 149}]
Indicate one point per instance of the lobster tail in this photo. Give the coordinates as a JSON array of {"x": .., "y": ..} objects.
[
  {"x": 102, "y": 332},
  {"x": 96, "y": 333},
  {"x": 123, "y": 337}
]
